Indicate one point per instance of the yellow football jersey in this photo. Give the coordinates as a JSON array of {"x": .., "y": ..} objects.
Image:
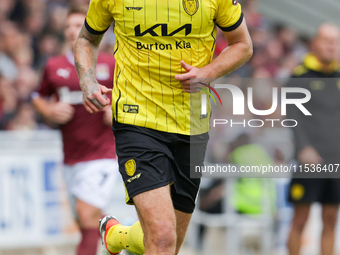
[{"x": 152, "y": 37}]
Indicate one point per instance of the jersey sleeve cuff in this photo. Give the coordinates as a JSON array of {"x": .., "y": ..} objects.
[
  {"x": 92, "y": 31},
  {"x": 233, "y": 27}
]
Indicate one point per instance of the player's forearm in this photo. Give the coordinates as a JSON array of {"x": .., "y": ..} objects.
[
  {"x": 86, "y": 55},
  {"x": 229, "y": 60},
  {"x": 42, "y": 106}
]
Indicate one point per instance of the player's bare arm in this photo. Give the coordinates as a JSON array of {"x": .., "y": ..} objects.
[
  {"x": 86, "y": 55},
  {"x": 238, "y": 52}
]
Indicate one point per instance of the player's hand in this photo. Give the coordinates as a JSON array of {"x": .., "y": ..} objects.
[
  {"x": 309, "y": 155},
  {"x": 187, "y": 79},
  {"x": 107, "y": 115},
  {"x": 95, "y": 102},
  {"x": 60, "y": 112}
]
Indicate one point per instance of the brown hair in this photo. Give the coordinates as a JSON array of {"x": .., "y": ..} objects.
[{"x": 77, "y": 9}]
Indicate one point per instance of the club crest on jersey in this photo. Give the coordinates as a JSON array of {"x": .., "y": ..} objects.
[
  {"x": 190, "y": 6},
  {"x": 130, "y": 167},
  {"x": 235, "y": 2}
]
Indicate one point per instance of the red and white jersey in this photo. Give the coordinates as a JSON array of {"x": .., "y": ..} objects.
[{"x": 85, "y": 137}]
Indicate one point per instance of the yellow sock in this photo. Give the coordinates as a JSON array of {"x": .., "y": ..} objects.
[{"x": 130, "y": 238}]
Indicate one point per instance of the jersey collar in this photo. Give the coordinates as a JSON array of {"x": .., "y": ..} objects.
[{"x": 312, "y": 63}]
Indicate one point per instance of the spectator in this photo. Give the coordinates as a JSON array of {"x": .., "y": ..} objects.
[
  {"x": 317, "y": 138},
  {"x": 8, "y": 101}
]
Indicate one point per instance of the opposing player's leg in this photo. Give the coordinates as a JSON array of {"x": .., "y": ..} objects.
[
  {"x": 299, "y": 221},
  {"x": 88, "y": 216},
  {"x": 89, "y": 186},
  {"x": 329, "y": 219}
]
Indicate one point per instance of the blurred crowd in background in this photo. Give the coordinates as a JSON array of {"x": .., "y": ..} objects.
[{"x": 31, "y": 31}]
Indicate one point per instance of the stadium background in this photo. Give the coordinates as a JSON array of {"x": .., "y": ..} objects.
[{"x": 34, "y": 215}]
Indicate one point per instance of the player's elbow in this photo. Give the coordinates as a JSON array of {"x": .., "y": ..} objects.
[
  {"x": 245, "y": 49},
  {"x": 36, "y": 101},
  {"x": 248, "y": 50}
]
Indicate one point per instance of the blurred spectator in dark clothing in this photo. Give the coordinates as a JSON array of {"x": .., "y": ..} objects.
[
  {"x": 317, "y": 138},
  {"x": 25, "y": 118}
]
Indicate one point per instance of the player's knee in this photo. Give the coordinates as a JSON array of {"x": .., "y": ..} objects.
[
  {"x": 88, "y": 218},
  {"x": 329, "y": 220},
  {"x": 164, "y": 235},
  {"x": 299, "y": 222}
]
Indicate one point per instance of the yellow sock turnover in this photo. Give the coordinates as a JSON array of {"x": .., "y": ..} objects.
[{"x": 122, "y": 237}]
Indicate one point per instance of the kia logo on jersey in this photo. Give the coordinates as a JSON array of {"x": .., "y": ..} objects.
[{"x": 235, "y": 2}]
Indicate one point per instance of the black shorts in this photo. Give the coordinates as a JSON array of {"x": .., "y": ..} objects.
[
  {"x": 306, "y": 191},
  {"x": 150, "y": 159}
]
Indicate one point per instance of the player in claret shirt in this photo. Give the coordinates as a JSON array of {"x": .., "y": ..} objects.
[{"x": 89, "y": 151}]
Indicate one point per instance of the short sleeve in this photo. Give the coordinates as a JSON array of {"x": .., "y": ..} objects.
[
  {"x": 99, "y": 17},
  {"x": 46, "y": 88},
  {"x": 229, "y": 15}
]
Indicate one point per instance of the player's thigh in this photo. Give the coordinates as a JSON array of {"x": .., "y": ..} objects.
[
  {"x": 145, "y": 161},
  {"x": 301, "y": 213},
  {"x": 331, "y": 194},
  {"x": 156, "y": 211},
  {"x": 306, "y": 191},
  {"x": 91, "y": 182},
  {"x": 330, "y": 214},
  {"x": 189, "y": 152}
]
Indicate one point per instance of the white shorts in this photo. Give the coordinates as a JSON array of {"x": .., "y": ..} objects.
[{"x": 91, "y": 182}]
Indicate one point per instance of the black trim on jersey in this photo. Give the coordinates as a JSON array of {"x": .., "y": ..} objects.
[
  {"x": 233, "y": 27},
  {"x": 212, "y": 34},
  {"x": 116, "y": 48},
  {"x": 120, "y": 94},
  {"x": 92, "y": 31}
]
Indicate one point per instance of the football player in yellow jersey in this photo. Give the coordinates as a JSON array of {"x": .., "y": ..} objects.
[{"x": 161, "y": 45}]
